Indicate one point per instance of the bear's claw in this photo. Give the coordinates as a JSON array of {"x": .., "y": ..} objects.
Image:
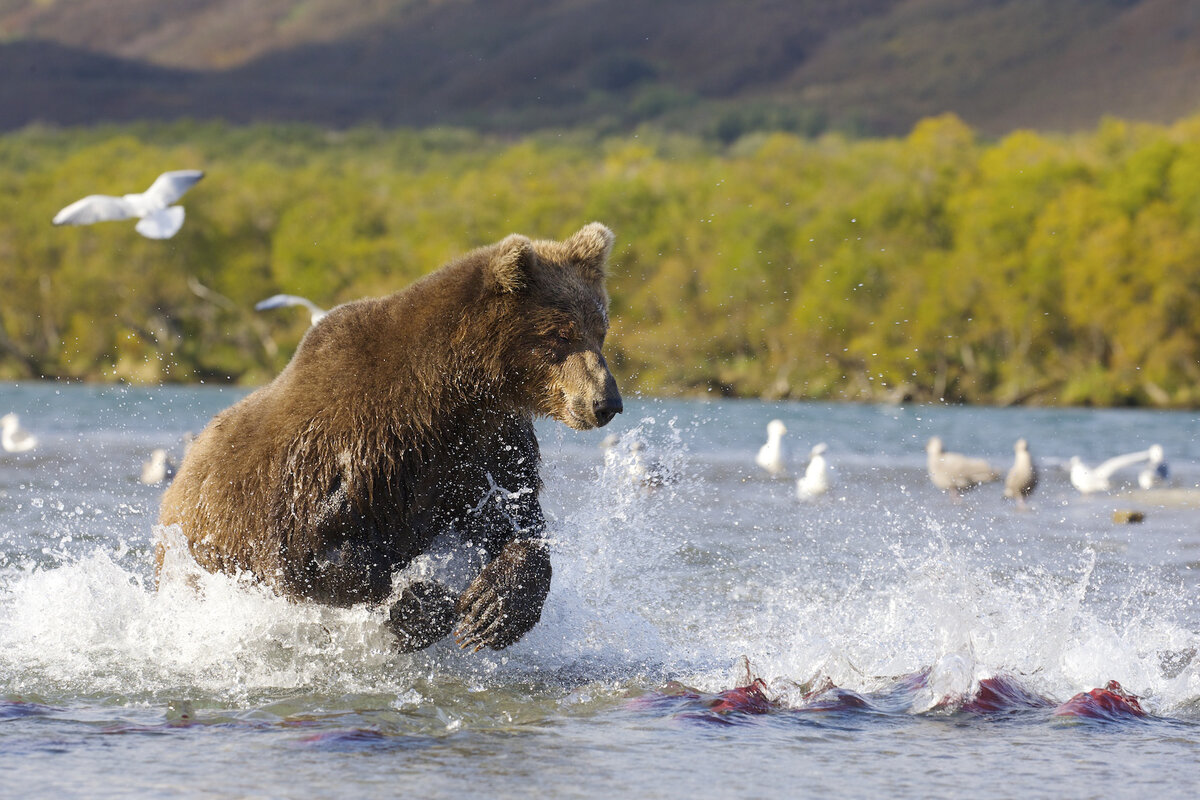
[
  {"x": 469, "y": 635},
  {"x": 505, "y": 599},
  {"x": 422, "y": 615}
]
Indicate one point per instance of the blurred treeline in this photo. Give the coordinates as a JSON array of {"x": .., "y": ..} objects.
[{"x": 1038, "y": 268}]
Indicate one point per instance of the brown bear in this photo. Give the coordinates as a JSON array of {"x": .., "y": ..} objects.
[{"x": 406, "y": 420}]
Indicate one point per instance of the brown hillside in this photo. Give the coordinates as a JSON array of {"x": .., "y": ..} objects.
[
  {"x": 1004, "y": 65},
  {"x": 871, "y": 65}
]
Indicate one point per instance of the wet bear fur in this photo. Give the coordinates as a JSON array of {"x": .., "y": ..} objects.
[{"x": 403, "y": 418}]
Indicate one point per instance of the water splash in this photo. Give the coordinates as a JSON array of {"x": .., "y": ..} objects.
[
  {"x": 961, "y": 616},
  {"x": 87, "y": 621},
  {"x": 673, "y": 579}
]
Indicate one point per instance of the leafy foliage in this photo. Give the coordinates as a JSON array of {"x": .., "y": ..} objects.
[{"x": 1037, "y": 268}]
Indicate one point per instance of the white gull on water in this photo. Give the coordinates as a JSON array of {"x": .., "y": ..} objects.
[
  {"x": 955, "y": 472},
  {"x": 772, "y": 456},
  {"x": 12, "y": 438},
  {"x": 627, "y": 459},
  {"x": 158, "y": 468},
  {"x": 157, "y": 217},
  {"x": 1096, "y": 479},
  {"x": 1022, "y": 478},
  {"x": 816, "y": 476},
  {"x": 1155, "y": 473}
]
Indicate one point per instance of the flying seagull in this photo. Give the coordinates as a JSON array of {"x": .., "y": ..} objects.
[
  {"x": 157, "y": 217},
  {"x": 282, "y": 300}
]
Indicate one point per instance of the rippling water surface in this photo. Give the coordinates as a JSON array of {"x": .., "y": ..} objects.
[{"x": 714, "y": 635}]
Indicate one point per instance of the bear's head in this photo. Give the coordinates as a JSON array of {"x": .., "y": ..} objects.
[{"x": 555, "y": 318}]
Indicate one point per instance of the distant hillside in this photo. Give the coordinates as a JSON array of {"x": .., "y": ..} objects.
[{"x": 719, "y": 66}]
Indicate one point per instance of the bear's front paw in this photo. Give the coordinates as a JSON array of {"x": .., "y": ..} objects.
[
  {"x": 505, "y": 599},
  {"x": 423, "y": 614}
]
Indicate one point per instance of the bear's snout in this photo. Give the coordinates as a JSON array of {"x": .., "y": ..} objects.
[
  {"x": 590, "y": 398},
  {"x": 608, "y": 406},
  {"x": 606, "y": 401}
]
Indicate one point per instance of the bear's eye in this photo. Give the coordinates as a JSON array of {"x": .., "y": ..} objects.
[{"x": 559, "y": 343}]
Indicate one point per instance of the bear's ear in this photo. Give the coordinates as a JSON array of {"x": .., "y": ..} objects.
[
  {"x": 588, "y": 249},
  {"x": 513, "y": 263}
]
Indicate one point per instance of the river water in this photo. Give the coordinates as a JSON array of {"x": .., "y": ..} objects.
[{"x": 877, "y": 617}]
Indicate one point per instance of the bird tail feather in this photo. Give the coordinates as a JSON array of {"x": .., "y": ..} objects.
[{"x": 161, "y": 224}]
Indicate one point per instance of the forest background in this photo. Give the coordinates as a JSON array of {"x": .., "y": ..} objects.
[{"x": 770, "y": 247}]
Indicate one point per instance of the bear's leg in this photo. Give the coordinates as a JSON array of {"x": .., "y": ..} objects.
[
  {"x": 423, "y": 615},
  {"x": 505, "y": 600},
  {"x": 343, "y": 575}
]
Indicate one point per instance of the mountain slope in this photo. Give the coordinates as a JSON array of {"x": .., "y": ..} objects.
[{"x": 872, "y": 65}]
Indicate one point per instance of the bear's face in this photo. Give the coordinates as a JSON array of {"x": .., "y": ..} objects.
[{"x": 561, "y": 310}]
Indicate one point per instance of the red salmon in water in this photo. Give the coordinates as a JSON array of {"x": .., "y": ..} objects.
[
  {"x": 1001, "y": 694},
  {"x": 1110, "y": 703},
  {"x": 750, "y": 699}
]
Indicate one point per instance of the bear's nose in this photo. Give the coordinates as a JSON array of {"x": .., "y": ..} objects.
[{"x": 606, "y": 409}]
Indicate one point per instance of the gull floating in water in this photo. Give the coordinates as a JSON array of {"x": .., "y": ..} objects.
[
  {"x": 284, "y": 300},
  {"x": 1022, "y": 479},
  {"x": 157, "y": 218},
  {"x": 955, "y": 472},
  {"x": 631, "y": 461},
  {"x": 1096, "y": 479},
  {"x": 159, "y": 468},
  {"x": 12, "y": 438},
  {"x": 771, "y": 456},
  {"x": 1156, "y": 471},
  {"x": 816, "y": 479}
]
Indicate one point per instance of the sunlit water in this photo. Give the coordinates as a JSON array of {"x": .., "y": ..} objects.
[{"x": 884, "y": 588}]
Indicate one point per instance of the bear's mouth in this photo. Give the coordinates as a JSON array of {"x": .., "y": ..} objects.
[
  {"x": 576, "y": 420},
  {"x": 574, "y": 415},
  {"x": 583, "y": 412}
]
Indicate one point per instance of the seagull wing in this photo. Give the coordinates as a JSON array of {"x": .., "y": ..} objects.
[
  {"x": 1106, "y": 469},
  {"x": 95, "y": 208},
  {"x": 283, "y": 300},
  {"x": 316, "y": 313},
  {"x": 1083, "y": 479},
  {"x": 161, "y": 224},
  {"x": 168, "y": 188}
]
